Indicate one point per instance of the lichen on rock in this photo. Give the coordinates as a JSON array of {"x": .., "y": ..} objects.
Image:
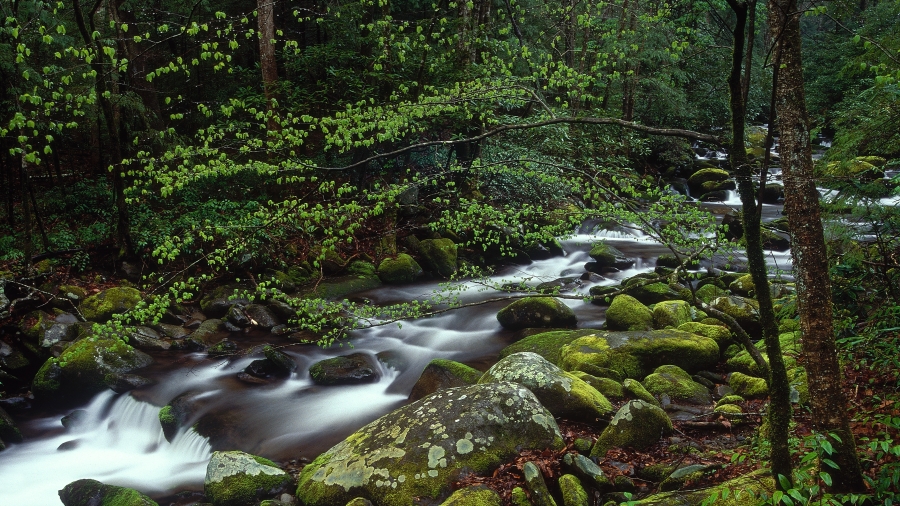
[
  {"x": 236, "y": 478},
  {"x": 637, "y": 425}
]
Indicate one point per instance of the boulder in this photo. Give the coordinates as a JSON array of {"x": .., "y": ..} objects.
[
  {"x": 12, "y": 358},
  {"x": 671, "y": 313},
  {"x": 207, "y": 334},
  {"x": 700, "y": 180},
  {"x": 636, "y": 354},
  {"x": 745, "y": 311},
  {"x": 546, "y": 312},
  {"x": 217, "y": 302},
  {"x": 346, "y": 370},
  {"x": 721, "y": 335},
  {"x": 537, "y": 487},
  {"x": 545, "y": 344},
  {"x": 86, "y": 368},
  {"x": 261, "y": 316},
  {"x": 236, "y": 478},
  {"x": 9, "y": 433},
  {"x": 102, "y": 306},
  {"x": 562, "y": 393},
  {"x": 741, "y": 491},
  {"x": 635, "y": 389},
  {"x": 439, "y": 256},
  {"x": 627, "y": 313},
  {"x": 586, "y": 470},
  {"x": 651, "y": 293},
  {"x": 710, "y": 292},
  {"x": 601, "y": 295},
  {"x": 572, "y": 492},
  {"x": 474, "y": 495},
  {"x": 93, "y": 493},
  {"x": 637, "y": 425},
  {"x": 748, "y": 387},
  {"x": 607, "y": 257},
  {"x": 179, "y": 412},
  {"x": 677, "y": 384},
  {"x": 403, "y": 269},
  {"x": 276, "y": 364},
  {"x": 610, "y": 388},
  {"x": 342, "y": 286},
  {"x": 420, "y": 449},
  {"x": 442, "y": 374},
  {"x": 145, "y": 338}
]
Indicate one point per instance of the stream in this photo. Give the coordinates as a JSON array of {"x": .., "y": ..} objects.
[{"x": 119, "y": 439}]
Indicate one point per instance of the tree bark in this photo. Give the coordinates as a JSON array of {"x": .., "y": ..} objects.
[
  {"x": 265, "y": 10},
  {"x": 827, "y": 400}
]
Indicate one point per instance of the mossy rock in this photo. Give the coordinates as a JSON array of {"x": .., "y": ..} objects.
[
  {"x": 703, "y": 176},
  {"x": 361, "y": 268},
  {"x": 610, "y": 388},
  {"x": 94, "y": 493},
  {"x": 102, "y": 306},
  {"x": 572, "y": 492},
  {"x": 721, "y": 335},
  {"x": 636, "y": 354},
  {"x": 441, "y": 374},
  {"x": 652, "y": 293},
  {"x": 217, "y": 302},
  {"x": 562, "y": 393},
  {"x": 671, "y": 313},
  {"x": 9, "y": 433},
  {"x": 636, "y": 425},
  {"x": 627, "y": 313},
  {"x": 743, "y": 491},
  {"x": 346, "y": 370},
  {"x": 743, "y": 286},
  {"x": 546, "y": 312},
  {"x": 745, "y": 311},
  {"x": 403, "y": 269},
  {"x": 86, "y": 368},
  {"x": 748, "y": 386},
  {"x": 236, "y": 478},
  {"x": 607, "y": 256},
  {"x": 342, "y": 286},
  {"x": 858, "y": 168},
  {"x": 545, "y": 344},
  {"x": 474, "y": 495},
  {"x": 730, "y": 399},
  {"x": 633, "y": 388},
  {"x": 439, "y": 256},
  {"x": 420, "y": 449},
  {"x": 678, "y": 478},
  {"x": 742, "y": 362},
  {"x": 677, "y": 384},
  {"x": 601, "y": 295},
  {"x": 710, "y": 292},
  {"x": 208, "y": 333}
]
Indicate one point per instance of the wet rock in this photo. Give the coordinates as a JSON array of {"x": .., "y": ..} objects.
[
  {"x": 207, "y": 334},
  {"x": 546, "y": 312},
  {"x": 74, "y": 420},
  {"x": 745, "y": 311},
  {"x": 9, "y": 433},
  {"x": 237, "y": 317},
  {"x": 419, "y": 450},
  {"x": 145, "y": 338},
  {"x": 475, "y": 495},
  {"x": 560, "y": 285},
  {"x": 607, "y": 256},
  {"x": 341, "y": 287},
  {"x": 121, "y": 383},
  {"x": 442, "y": 374},
  {"x": 545, "y": 344},
  {"x": 261, "y": 316},
  {"x": 637, "y": 425},
  {"x": 403, "y": 269},
  {"x": 179, "y": 412},
  {"x": 94, "y": 493},
  {"x": 281, "y": 309},
  {"x": 222, "y": 348},
  {"x": 102, "y": 306},
  {"x": 346, "y": 370},
  {"x": 276, "y": 364},
  {"x": 587, "y": 470},
  {"x": 173, "y": 331},
  {"x": 677, "y": 384},
  {"x": 439, "y": 256},
  {"x": 627, "y": 313},
  {"x": 562, "y": 393},
  {"x": 651, "y": 293},
  {"x": 86, "y": 368},
  {"x": 216, "y": 303},
  {"x": 236, "y": 478},
  {"x": 534, "y": 480},
  {"x": 12, "y": 358},
  {"x": 602, "y": 295}
]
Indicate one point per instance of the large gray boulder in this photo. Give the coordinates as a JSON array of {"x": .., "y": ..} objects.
[
  {"x": 562, "y": 393},
  {"x": 237, "y": 479},
  {"x": 419, "y": 450}
]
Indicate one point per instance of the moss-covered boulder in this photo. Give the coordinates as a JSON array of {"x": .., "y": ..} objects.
[
  {"x": 403, "y": 269},
  {"x": 342, "y": 286},
  {"x": 209, "y": 333},
  {"x": 710, "y": 292},
  {"x": 475, "y": 495},
  {"x": 634, "y": 389},
  {"x": 744, "y": 363},
  {"x": 636, "y": 354},
  {"x": 546, "y": 312},
  {"x": 743, "y": 286},
  {"x": 721, "y": 335},
  {"x": 237, "y": 479},
  {"x": 671, "y": 314},
  {"x": 441, "y": 374},
  {"x": 744, "y": 491},
  {"x": 700, "y": 180},
  {"x": 101, "y": 307},
  {"x": 677, "y": 384},
  {"x": 93, "y": 493},
  {"x": 572, "y": 492},
  {"x": 637, "y": 425},
  {"x": 419, "y": 450},
  {"x": 346, "y": 370},
  {"x": 745, "y": 311},
  {"x": 610, "y": 388},
  {"x": 562, "y": 393},
  {"x": 537, "y": 487},
  {"x": 439, "y": 256},
  {"x": 217, "y": 302},
  {"x": 607, "y": 257},
  {"x": 651, "y": 293},
  {"x": 627, "y": 313},
  {"x": 86, "y": 368},
  {"x": 546, "y": 344},
  {"x": 747, "y": 386},
  {"x": 181, "y": 411}
]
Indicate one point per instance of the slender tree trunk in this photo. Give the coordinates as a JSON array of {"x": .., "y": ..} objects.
[
  {"x": 265, "y": 10},
  {"x": 779, "y": 387},
  {"x": 827, "y": 400}
]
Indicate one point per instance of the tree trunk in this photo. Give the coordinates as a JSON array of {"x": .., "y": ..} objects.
[
  {"x": 828, "y": 403},
  {"x": 265, "y": 10}
]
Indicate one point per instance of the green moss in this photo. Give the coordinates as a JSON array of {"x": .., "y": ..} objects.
[
  {"x": 609, "y": 387},
  {"x": 743, "y": 285},
  {"x": 476, "y": 495},
  {"x": 677, "y": 384},
  {"x": 748, "y": 386},
  {"x": 572, "y": 492},
  {"x": 731, "y": 411},
  {"x": 671, "y": 313},
  {"x": 93, "y": 493},
  {"x": 361, "y": 268},
  {"x": 102, "y": 306},
  {"x": 462, "y": 371},
  {"x": 340, "y": 287},
  {"x": 627, "y": 313},
  {"x": 237, "y": 478},
  {"x": 652, "y": 293},
  {"x": 721, "y": 335},
  {"x": 743, "y": 491},
  {"x": 702, "y": 176},
  {"x": 545, "y": 344},
  {"x": 439, "y": 256},
  {"x": 403, "y": 269},
  {"x": 730, "y": 399},
  {"x": 606, "y": 255},
  {"x": 635, "y": 389},
  {"x": 536, "y": 312},
  {"x": 165, "y": 416},
  {"x": 519, "y": 497},
  {"x": 8, "y": 430},
  {"x": 637, "y": 424}
]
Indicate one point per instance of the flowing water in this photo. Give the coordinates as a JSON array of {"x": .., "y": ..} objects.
[{"x": 120, "y": 441}]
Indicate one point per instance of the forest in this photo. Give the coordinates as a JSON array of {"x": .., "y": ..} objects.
[{"x": 669, "y": 232}]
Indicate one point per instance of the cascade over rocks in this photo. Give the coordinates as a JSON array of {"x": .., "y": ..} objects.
[
  {"x": 562, "y": 393},
  {"x": 419, "y": 450},
  {"x": 546, "y": 312}
]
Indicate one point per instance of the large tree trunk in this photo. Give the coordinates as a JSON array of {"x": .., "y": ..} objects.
[
  {"x": 265, "y": 10},
  {"x": 828, "y": 403},
  {"x": 779, "y": 386}
]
